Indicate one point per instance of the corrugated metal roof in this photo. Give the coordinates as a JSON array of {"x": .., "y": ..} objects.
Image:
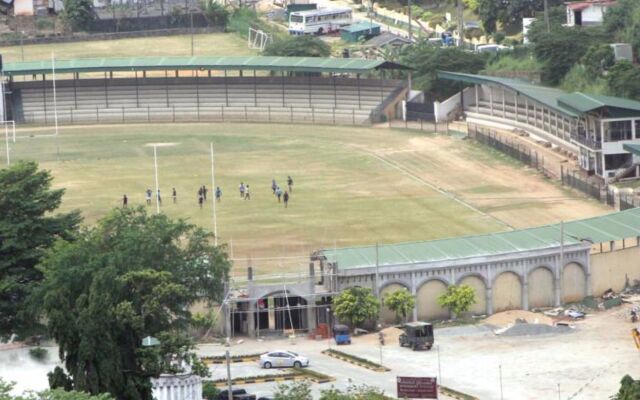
[
  {"x": 615, "y": 226},
  {"x": 632, "y": 148},
  {"x": 293, "y": 64},
  {"x": 542, "y": 94},
  {"x": 587, "y": 102},
  {"x": 361, "y": 26}
]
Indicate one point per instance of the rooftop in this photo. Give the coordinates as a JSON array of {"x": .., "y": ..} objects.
[
  {"x": 361, "y": 26},
  {"x": 610, "y": 227},
  {"x": 570, "y": 104},
  {"x": 257, "y": 63}
]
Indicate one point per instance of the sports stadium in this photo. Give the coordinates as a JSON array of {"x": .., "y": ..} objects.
[{"x": 462, "y": 213}]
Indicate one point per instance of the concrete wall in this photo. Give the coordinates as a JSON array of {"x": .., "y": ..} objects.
[
  {"x": 507, "y": 292},
  {"x": 574, "y": 283},
  {"x": 480, "y": 307},
  {"x": 541, "y": 288},
  {"x": 612, "y": 269},
  {"x": 427, "y": 301}
]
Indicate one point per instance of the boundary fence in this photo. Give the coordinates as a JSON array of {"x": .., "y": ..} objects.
[
  {"x": 599, "y": 191},
  {"x": 592, "y": 189},
  {"x": 420, "y": 125},
  {"x": 529, "y": 157}
]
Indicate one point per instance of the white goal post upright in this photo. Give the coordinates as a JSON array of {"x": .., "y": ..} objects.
[
  {"x": 55, "y": 97},
  {"x": 258, "y": 39},
  {"x": 9, "y": 135}
]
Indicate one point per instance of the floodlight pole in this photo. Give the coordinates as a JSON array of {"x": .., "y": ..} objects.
[
  {"x": 155, "y": 167},
  {"x": 55, "y": 98},
  {"x": 6, "y": 138},
  {"x": 213, "y": 198},
  {"x": 228, "y": 359}
]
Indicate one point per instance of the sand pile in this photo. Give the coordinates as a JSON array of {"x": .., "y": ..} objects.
[
  {"x": 390, "y": 336},
  {"x": 512, "y": 316}
]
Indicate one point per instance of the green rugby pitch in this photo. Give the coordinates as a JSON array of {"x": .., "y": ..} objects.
[{"x": 352, "y": 185}]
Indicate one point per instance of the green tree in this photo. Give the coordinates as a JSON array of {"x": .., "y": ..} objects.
[
  {"x": 131, "y": 276},
  {"x": 28, "y": 228},
  {"x": 300, "y": 390},
  {"x": 427, "y": 60},
  {"x": 458, "y": 299},
  {"x": 561, "y": 49},
  {"x": 78, "y": 14},
  {"x": 59, "y": 380},
  {"x": 58, "y": 394},
  {"x": 298, "y": 46},
  {"x": 215, "y": 13},
  {"x": 597, "y": 59},
  {"x": 401, "y": 302},
  {"x": 356, "y": 305},
  {"x": 623, "y": 80},
  {"x": 629, "y": 389},
  {"x": 209, "y": 391}
]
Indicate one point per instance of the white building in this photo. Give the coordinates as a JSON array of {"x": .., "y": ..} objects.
[{"x": 587, "y": 12}]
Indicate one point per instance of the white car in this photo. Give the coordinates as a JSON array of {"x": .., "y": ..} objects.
[{"x": 282, "y": 358}]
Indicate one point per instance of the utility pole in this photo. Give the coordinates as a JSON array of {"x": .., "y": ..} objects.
[
  {"x": 228, "y": 358},
  {"x": 191, "y": 21},
  {"x": 546, "y": 16},
  {"x": 500, "y": 371},
  {"x": 155, "y": 168},
  {"x": 213, "y": 197},
  {"x": 460, "y": 23},
  {"x": 409, "y": 16}
]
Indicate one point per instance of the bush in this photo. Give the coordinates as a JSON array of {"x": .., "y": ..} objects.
[
  {"x": 209, "y": 391},
  {"x": 499, "y": 37},
  {"x": 298, "y": 46},
  {"x": 38, "y": 353},
  {"x": 437, "y": 20}
]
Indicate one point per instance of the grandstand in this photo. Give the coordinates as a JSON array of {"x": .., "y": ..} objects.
[{"x": 291, "y": 89}]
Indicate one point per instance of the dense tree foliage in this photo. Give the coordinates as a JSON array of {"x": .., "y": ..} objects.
[
  {"x": 629, "y": 389},
  {"x": 401, "y": 302},
  {"x": 356, "y": 305},
  {"x": 214, "y": 12},
  {"x": 559, "y": 50},
  {"x": 624, "y": 80},
  {"x": 298, "y": 46},
  {"x": 622, "y": 21},
  {"x": 427, "y": 60},
  {"x": 58, "y": 394},
  {"x": 458, "y": 299},
  {"x": 598, "y": 59},
  {"x": 509, "y": 12},
  {"x": 78, "y": 14},
  {"x": 28, "y": 228},
  {"x": 131, "y": 276}
]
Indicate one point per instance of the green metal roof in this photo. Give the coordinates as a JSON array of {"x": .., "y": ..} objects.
[
  {"x": 615, "y": 226},
  {"x": 293, "y": 64},
  {"x": 542, "y": 94},
  {"x": 588, "y": 102},
  {"x": 361, "y": 26},
  {"x": 632, "y": 148}
]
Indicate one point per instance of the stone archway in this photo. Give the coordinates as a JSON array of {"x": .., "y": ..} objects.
[
  {"x": 507, "y": 292},
  {"x": 541, "y": 288},
  {"x": 427, "y": 300},
  {"x": 477, "y": 283},
  {"x": 574, "y": 283},
  {"x": 387, "y": 316}
]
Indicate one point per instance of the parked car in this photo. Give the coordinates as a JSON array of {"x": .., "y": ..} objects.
[
  {"x": 282, "y": 358},
  {"x": 236, "y": 394}
]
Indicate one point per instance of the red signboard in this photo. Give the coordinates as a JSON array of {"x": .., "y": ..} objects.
[{"x": 410, "y": 387}]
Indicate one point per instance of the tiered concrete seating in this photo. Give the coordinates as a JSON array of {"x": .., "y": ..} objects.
[{"x": 303, "y": 99}]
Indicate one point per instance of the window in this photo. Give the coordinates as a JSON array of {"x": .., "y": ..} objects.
[
  {"x": 296, "y": 18},
  {"x": 615, "y": 161},
  {"x": 617, "y": 130},
  {"x": 637, "y": 123}
]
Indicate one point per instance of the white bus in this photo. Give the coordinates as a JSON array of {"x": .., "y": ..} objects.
[{"x": 319, "y": 21}]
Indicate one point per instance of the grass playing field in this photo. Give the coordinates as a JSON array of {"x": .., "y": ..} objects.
[
  {"x": 352, "y": 186},
  {"x": 211, "y": 44}
]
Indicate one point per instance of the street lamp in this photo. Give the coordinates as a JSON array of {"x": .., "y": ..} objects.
[{"x": 329, "y": 326}]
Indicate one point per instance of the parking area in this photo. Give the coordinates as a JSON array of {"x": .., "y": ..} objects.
[{"x": 586, "y": 362}]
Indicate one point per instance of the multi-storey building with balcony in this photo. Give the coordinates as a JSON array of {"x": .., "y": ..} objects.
[{"x": 598, "y": 129}]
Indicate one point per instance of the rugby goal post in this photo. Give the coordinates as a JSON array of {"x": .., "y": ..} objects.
[
  {"x": 9, "y": 136},
  {"x": 258, "y": 39}
]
